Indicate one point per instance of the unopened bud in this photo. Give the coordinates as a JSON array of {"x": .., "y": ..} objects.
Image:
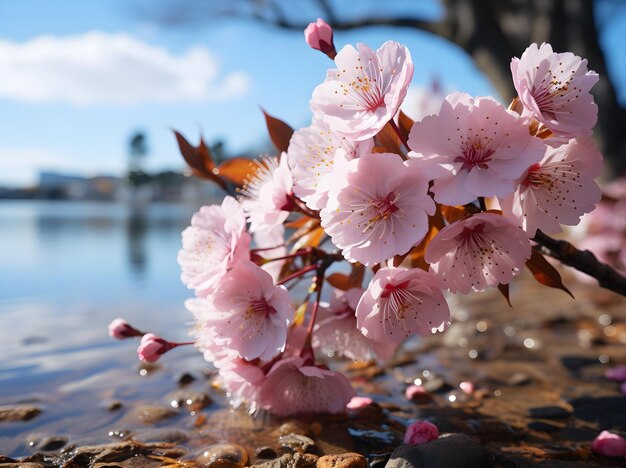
[
  {"x": 120, "y": 329},
  {"x": 319, "y": 36},
  {"x": 152, "y": 347}
]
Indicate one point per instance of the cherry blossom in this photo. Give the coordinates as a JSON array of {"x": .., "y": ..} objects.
[
  {"x": 293, "y": 386},
  {"x": 473, "y": 148},
  {"x": 401, "y": 302},
  {"x": 243, "y": 381},
  {"x": 378, "y": 209},
  {"x": 554, "y": 89},
  {"x": 312, "y": 155},
  {"x": 336, "y": 331},
  {"x": 558, "y": 190},
  {"x": 609, "y": 444},
  {"x": 477, "y": 252},
  {"x": 274, "y": 237},
  {"x": 249, "y": 312},
  {"x": 420, "y": 432},
  {"x": 266, "y": 196},
  {"x": 216, "y": 239},
  {"x": 365, "y": 91}
]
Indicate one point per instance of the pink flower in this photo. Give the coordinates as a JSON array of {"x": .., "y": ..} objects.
[
  {"x": 312, "y": 155},
  {"x": 120, "y": 329},
  {"x": 293, "y": 386},
  {"x": 213, "y": 346},
  {"x": 266, "y": 196},
  {"x": 617, "y": 373},
  {"x": 478, "y": 252},
  {"x": 365, "y": 91},
  {"x": 359, "y": 402},
  {"x": 243, "y": 381},
  {"x": 399, "y": 303},
  {"x": 319, "y": 36},
  {"x": 420, "y": 432},
  {"x": 473, "y": 148},
  {"x": 336, "y": 332},
  {"x": 152, "y": 347},
  {"x": 274, "y": 237},
  {"x": 216, "y": 239},
  {"x": 609, "y": 444},
  {"x": 378, "y": 209},
  {"x": 414, "y": 391},
  {"x": 249, "y": 312},
  {"x": 558, "y": 190},
  {"x": 467, "y": 387},
  {"x": 554, "y": 89}
]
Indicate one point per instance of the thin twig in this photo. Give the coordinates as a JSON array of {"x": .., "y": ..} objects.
[{"x": 582, "y": 260}]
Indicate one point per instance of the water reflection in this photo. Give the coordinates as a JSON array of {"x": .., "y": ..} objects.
[{"x": 136, "y": 230}]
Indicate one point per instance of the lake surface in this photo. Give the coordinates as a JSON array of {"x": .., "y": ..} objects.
[{"x": 66, "y": 270}]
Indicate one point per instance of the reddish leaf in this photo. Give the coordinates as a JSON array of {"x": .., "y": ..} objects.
[
  {"x": 298, "y": 223},
  {"x": 236, "y": 170},
  {"x": 199, "y": 159},
  {"x": 405, "y": 123},
  {"x": 504, "y": 289},
  {"x": 356, "y": 275},
  {"x": 416, "y": 254},
  {"x": 339, "y": 281},
  {"x": 280, "y": 132},
  {"x": 453, "y": 213},
  {"x": 545, "y": 273},
  {"x": 388, "y": 139}
]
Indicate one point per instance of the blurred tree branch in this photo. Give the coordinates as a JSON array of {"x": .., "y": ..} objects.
[{"x": 490, "y": 31}]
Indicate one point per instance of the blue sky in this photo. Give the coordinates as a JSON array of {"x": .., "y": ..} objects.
[{"x": 81, "y": 76}]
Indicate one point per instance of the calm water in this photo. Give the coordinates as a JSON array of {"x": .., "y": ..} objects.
[{"x": 66, "y": 270}]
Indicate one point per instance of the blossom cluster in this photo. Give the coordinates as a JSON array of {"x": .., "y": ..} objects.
[{"x": 448, "y": 203}]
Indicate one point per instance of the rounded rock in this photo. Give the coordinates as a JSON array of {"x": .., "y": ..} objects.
[
  {"x": 344, "y": 460},
  {"x": 223, "y": 456}
]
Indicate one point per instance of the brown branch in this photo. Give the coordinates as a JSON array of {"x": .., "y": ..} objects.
[{"x": 582, "y": 260}]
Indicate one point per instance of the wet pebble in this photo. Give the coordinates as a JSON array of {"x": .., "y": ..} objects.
[
  {"x": 49, "y": 444},
  {"x": 549, "y": 412},
  {"x": 296, "y": 427},
  {"x": 150, "y": 414},
  {"x": 265, "y": 453},
  {"x": 288, "y": 460},
  {"x": 454, "y": 450},
  {"x": 344, "y": 460},
  {"x": 162, "y": 435},
  {"x": 18, "y": 412},
  {"x": 185, "y": 379},
  {"x": 222, "y": 456},
  {"x": 540, "y": 426},
  {"x": 298, "y": 443},
  {"x": 519, "y": 379},
  {"x": 190, "y": 400},
  {"x": 437, "y": 385}
]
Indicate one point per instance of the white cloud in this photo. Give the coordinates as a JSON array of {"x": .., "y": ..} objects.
[{"x": 118, "y": 69}]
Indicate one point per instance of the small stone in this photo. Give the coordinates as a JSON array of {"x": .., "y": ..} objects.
[
  {"x": 437, "y": 385},
  {"x": 297, "y": 443},
  {"x": 51, "y": 444},
  {"x": 114, "y": 405},
  {"x": 344, "y": 460},
  {"x": 185, "y": 379},
  {"x": 161, "y": 435},
  {"x": 289, "y": 427},
  {"x": 543, "y": 427},
  {"x": 150, "y": 414},
  {"x": 519, "y": 379},
  {"x": 266, "y": 453},
  {"x": 288, "y": 460},
  {"x": 223, "y": 456},
  {"x": 549, "y": 412},
  {"x": 452, "y": 450},
  {"x": 417, "y": 394},
  {"x": 18, "y": 412},
  {"x": 192, "y": 401}
]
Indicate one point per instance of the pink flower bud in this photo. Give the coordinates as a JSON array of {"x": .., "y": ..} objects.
[
  {"x": 359, "y": 402},
  {"x": 467, "y": 387},
  {"x": 152, "y": 346},
  {"x": 609, "y": 445},
  {"x": 420, "y": 432},
  {"x": 120, "y": 329},
  {"x": 319, "y": 36},
  {"x": 617, "y": 373}
]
